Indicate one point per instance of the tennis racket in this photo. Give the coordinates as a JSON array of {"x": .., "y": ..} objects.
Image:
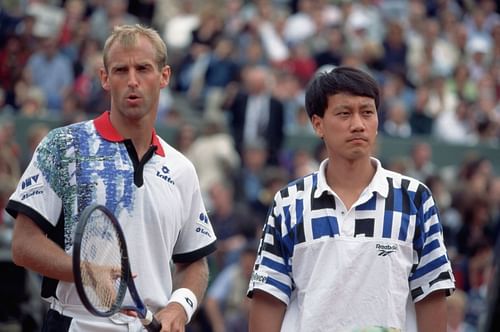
[{"x": 101, "y": 267}]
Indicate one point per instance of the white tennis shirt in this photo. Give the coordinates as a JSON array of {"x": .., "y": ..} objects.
[{"x": 157, "y": 202}]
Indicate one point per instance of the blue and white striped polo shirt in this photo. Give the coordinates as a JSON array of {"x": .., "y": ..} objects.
[{"x": 339, "y": 269}]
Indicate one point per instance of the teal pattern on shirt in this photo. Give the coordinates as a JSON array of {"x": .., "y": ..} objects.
[{"x": 81, "y": 167}]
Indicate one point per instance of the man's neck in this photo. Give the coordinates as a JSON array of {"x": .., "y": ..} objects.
[{"x": 348, "y": 179}]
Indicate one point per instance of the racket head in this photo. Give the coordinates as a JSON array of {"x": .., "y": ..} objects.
[{"x": 100, "y": 261}]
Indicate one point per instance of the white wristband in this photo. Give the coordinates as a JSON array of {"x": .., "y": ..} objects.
[{"x": 186, "y": 298}]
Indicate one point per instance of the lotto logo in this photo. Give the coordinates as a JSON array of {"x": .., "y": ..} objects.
[{"x": 164, "y": 174}]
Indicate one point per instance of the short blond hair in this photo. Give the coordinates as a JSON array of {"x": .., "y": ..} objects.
[{"x": 127, "y": 35}]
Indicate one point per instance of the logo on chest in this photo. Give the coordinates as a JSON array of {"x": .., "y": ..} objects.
[
  {"x": 165, "y": 175},
  {"x": 385, "y": 249}
]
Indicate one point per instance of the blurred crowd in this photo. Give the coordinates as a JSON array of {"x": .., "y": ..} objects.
[{"x": 437, "y": 62}]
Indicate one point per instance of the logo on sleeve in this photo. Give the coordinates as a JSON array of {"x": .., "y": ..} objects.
[
  {"x": 203, "y": 221},
  {"x": 31, "y": 182},
  {"x": 31, "y": 186},
  {"x": 259, "y": 277}
]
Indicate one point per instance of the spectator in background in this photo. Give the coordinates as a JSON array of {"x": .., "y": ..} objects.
[
  {"x": 226, "y": 304},
  {"x": 10, "y": 151},
  {"x": 13, "y": 59},
  {"x": 178, "y": 29},
  {"x": 256, "y": 115},
  {"x": 461, "y": 84},
  {"x": 300, "y": 63},
  {"x": 221, "y": 71},
  {"x": 457, "y": 304},
  {"x": 185, "y": 136},
  {"x": 26, "y": 31},
  {"x": 232, "y": 221},
  {"x": 5, "y": 109},
  {"x": 33, "y": 103},
  {"x": 72, "y": 26},
  {"x": 395, "y": 48},
  {"x": 477, "y": 225},
  {"x": 420, "y": 165},
  {"x": 456, "y": 126},
  {"x": 429, "y": 46},
  {"x": 108, "y": 14},
  {"x": 289, "y": 90},
  {"x": 421, "y": 123},
  {"x": 213, "y": 155},
  {"x": 210, "y": 26},
  {"x": 396, "y": 123},
  {"x": 440, "y": 100},
  {"x": 87, "y": 86},
  {"x": 249, "y": 180},
  {"x": 475, "y": 174},
  {"x": 479, "y": 56},
  {"x": 52, "y": 72},
  {"x": 333, "y": 50},
  {"x": 478, "y": 272},
  {"x": 494, "y": 196}
]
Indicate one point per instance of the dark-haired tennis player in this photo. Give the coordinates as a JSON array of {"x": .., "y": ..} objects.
[
  {"x": 119, "y": 161},
  {"x": 353, "y": 246}
]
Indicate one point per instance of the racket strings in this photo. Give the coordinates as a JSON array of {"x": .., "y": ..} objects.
[{"x": 101, "y": 268}]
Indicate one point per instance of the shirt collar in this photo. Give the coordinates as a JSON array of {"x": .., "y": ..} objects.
[
  {"x": 105, "y": 128},
  {"x": 377, "y": 184}
]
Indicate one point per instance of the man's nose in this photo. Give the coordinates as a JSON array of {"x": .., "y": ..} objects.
[
  {"x": 357, "y": 122},
  {"x": 132, "y": 78}
]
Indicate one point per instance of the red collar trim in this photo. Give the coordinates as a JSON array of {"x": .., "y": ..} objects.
[{"x": 105, "y": 128}]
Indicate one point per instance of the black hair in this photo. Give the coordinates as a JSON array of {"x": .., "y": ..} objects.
[{"x": 341, "y": 79}]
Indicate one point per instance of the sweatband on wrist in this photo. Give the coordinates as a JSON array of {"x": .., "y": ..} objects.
[{"x": 186, "y": 298}]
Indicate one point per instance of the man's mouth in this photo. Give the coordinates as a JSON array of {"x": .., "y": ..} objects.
[{"x": 357, "y": 138}]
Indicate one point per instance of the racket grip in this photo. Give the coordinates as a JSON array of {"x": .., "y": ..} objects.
[{"x": 154, "y": 326}]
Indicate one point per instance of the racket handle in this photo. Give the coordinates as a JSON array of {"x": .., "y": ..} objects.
[
  {"x": 150, "y": 322},
  {"x": 154, "y": 326}
]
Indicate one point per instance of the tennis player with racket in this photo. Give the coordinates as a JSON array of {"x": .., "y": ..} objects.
[{"x": 109, "y": 213}]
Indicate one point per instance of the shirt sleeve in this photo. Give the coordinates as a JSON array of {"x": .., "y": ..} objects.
[
  {"x": 272, "y": 270},
  {"x": 432, "y": 269},
  {"x": 197, "y": 237},
  {"x": 35, "y": 195}
]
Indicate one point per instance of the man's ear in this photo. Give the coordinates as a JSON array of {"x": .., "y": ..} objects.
[
  {"x": 103, "y": 74},
  {"x": 165, "y": 76},
  {"x": 317, "y": 124}
]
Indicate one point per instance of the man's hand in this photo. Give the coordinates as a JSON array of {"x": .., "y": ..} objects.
[
  {"x": 173, "y": 318},
  {"x": 103, "y": 279}
]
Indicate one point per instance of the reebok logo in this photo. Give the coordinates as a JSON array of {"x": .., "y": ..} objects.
[{"x": 385, "y": 249}]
